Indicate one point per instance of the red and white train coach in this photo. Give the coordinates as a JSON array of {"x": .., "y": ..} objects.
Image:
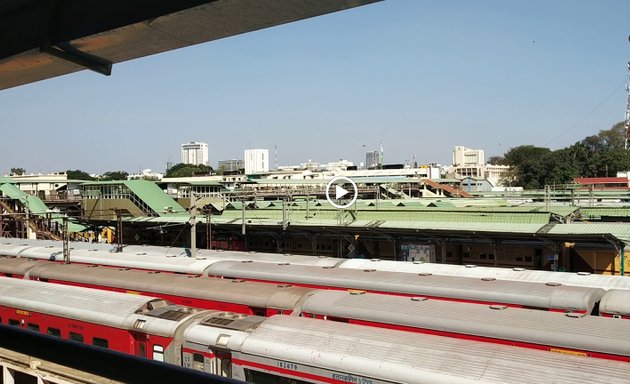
[
  {"x": 590, "y": 335},
  {"x": 282, "y": 348}
]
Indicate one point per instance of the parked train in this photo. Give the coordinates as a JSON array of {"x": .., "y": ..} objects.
[
  {"x": 281, "y": 348},
  {"x": 550, "y": 296},
  {"x": 493, "y": 324},
  {"x": 15, "y": 247}
]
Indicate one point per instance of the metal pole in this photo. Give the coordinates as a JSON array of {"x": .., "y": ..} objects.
[
  {"x": 64, "y": 237},
  {"x": 622, "y": 258},
  {"x": 119, "y": 229},
  {"x": 193, "y": 225},
  {"x": 209, "y": 227},
  {"x": 243, "y": 218}
]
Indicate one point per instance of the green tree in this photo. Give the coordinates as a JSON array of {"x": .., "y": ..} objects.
[
  {"x": 529, "y": 165},
  {"x": 497, "y": 160},
  {"x": 78, "y": 175},
  {"x": 188, "y": 170},
  {"x": 114, "y": 175},
  {"x": 17, "y": 171}
]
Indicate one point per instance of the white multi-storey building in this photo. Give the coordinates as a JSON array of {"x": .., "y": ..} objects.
[
  {"x": 472, "y": 163},
  {"x": 463, "y": 157},
  {"x": 195, "y": 153},
  {"x": 256, "y": 161}
]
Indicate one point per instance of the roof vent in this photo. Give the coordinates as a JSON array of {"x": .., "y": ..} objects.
[
  {"x": 369, "y": 270},
  {"x": 518, "y": 269},
  {"x": 470, "y": 266},
  {"x": 553, "y": 284},
  {"x": 418, "y": 261},
  {"x": 488, "y": 279},
  {"x": 498, "y": 307},
  {"x": 356, "y": 292},
  {"x": 575, "y": 315},
  {"x": 238, "y": 281},
  {"x": 328, "y": 267},
  {"x": 583, "y": 273},
  {"x": 283, "y": 285},
  {"x": 419, "y": 298},
  {"x": 284, "y": 263},
  {"x": 375, "y": 259},
  {"x": 247, "y": 261},
  {"x": 425, "y": 274}
]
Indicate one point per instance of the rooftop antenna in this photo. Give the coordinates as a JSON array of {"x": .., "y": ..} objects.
[
  {"x": 382, "y": 157},
  {"x": 276, "y": 154}
]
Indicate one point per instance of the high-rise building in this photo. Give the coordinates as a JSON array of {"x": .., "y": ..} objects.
[
  {"x": 195, "y": 153},
  {"x": 230, "y": 165},
  {"x": 463, "y": 156},
  {"x": 256, "y": 161},
  {"x": 372, "y": 160}
]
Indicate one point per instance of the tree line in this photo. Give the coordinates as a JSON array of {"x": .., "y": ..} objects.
[{"x": 601, "y": 155}]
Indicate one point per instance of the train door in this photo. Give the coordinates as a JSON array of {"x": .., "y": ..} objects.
[
  {"x": 140, "y": 344},
  {"x": 223, "y": 364}
]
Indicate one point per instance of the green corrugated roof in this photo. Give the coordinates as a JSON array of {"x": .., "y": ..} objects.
[
  {"x": 153, "y": 196},
  {"x": 595, "y": 213},
  {"x": 620, "y": 231},
  {"x": 36, "y": 206},
  {"x": 32, "y": 202},
  {"x": 149, "y": 193}
]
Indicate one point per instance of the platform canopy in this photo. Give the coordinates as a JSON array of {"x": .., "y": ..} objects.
[{"x": 40, "y": 39}]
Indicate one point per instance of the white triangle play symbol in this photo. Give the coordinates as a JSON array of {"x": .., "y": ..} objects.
[{"x": 340, "y": 192}]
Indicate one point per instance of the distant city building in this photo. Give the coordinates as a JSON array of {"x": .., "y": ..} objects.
[
  {"x": 256, "y": 161},
  {"x": 233, "y": 165},
  {"x": 195, "y": 153},
  {"x": 464, "y": 157},
  {"x": 372, "y": 159},
  {"x": 470, "y": 163},
  {"x": 340, "y": 165},
  {"x": 146, "y": 174}
]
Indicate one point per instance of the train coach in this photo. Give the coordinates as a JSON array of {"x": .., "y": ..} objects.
[
  {"x": 552, "y": 297},
  {"x": 281, "y": 348},
  {"x": 33, "y": 248},
  {"x": 164, "y": 258},
  {"x": 579, "y": 279},
  {"x": 331, "y": 275},
  {"x": 592, "y": 336}
]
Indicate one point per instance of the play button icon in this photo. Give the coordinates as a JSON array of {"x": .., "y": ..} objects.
[{"x": 341, "y": 191}]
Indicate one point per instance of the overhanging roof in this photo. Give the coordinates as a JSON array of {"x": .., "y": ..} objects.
[{"x": 44, "y": 39}]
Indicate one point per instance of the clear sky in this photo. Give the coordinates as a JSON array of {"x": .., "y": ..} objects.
[{"x": 419, "y": 76}]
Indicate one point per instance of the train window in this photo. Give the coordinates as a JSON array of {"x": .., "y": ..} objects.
[
  {"x": 519, "y": 258},
  {"x": 32, "y": 327},
  {"x": 267, "y": 378},
  {"x": 198, "y": 361},
  {"x": 491, "y": 256},
  {"x": 528, "y": 259},
  {"x": 13, "y": 322},
  {"x": 483, "y": 256},
  {"x": 98, "y": 342},
  {"x": 54, "y": 332},
  {"x": 76, "y": 337},
  {"x": 158, "y": 352}
]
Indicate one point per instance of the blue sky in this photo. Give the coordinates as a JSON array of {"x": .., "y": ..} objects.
[{"x": 419, "y": 76}]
